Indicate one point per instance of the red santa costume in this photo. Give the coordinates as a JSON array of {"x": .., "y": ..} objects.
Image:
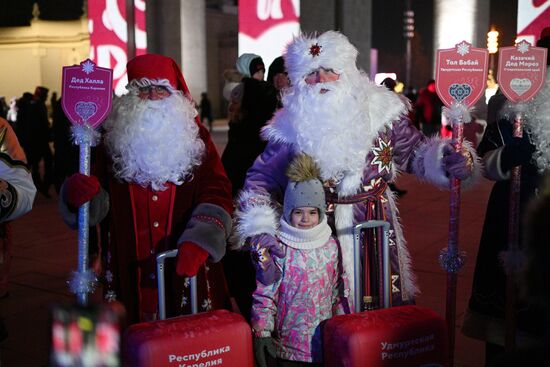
[{"x": 166, "y": 187}]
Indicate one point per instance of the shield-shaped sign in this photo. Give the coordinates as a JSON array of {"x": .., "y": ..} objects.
[
  {"x": 87, "y": 93},
  {"x": 521, "y": 71},
  {"x": 461, "y": 74}
]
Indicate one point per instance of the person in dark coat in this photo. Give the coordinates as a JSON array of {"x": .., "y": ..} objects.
[
  {"x": 66, "y": 152},
  {"x": 501, "y": 151},
  {"x": 278, "y": 77},
  {"x": 206, "y": 111},
  {"x": 22, "y": 105},
  {"x": 36, "y": 129},
  {"x": 252, "y": 104},
  {"x": 428, "y": 110}
]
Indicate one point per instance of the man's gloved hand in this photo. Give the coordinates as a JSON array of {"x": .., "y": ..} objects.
[
  {"x": 263, "y": 248},
  {"x": 516, "y": 152},
  {"x": 262, "y": 347},
  {"x": 79, "y": 189},
  {"x": 457, "y": 164},
  {"x": 190, "y": 258}
]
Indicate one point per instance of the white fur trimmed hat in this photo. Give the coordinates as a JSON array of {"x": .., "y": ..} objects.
[{"x": 330, "y": 50}]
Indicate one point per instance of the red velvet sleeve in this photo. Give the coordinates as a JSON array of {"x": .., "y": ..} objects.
[{"x": 213, "y": 185}]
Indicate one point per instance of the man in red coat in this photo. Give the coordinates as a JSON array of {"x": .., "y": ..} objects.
[{"x": 161, "y": 178}]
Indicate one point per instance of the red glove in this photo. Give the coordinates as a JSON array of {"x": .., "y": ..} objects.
[
  {"x": 79, "y": 189},
  {"x": 190, "y": 259}
]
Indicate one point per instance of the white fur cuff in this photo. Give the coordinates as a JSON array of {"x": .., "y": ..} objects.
[
  {"x": 492, "y": 166},
  {"x": 427, "y": 163},
  {"x": 255, "y": 216},
  {"x": 457, "y": 113},
  {"x": 477, "y": 166}
]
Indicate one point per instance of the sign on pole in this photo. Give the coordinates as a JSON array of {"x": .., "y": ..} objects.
[
  {"x": 86, "y": 100},
  {"x": 461, "y": 74},
  {"x": 521, "y": 74},
  {"x": 461, "y": 77},
  {"x": 521, "y": 71}
]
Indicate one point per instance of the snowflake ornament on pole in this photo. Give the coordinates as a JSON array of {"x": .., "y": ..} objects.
[
  {"x": 86, "y": 100},
  {"x": 461, "y": 74}
]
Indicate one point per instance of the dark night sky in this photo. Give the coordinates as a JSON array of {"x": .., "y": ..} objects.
[
  {"x": 387, "y": 37},
  {"x": 387, "y": 34}
]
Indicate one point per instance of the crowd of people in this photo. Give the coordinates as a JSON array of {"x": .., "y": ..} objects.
[
  {"x": 37, "y": 125},
  {"x": 311, "y": 152}
]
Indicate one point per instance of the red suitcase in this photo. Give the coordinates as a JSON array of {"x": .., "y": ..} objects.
[
  {"x": 214, "y": 338},
  {"x": 403, "y": 336}
]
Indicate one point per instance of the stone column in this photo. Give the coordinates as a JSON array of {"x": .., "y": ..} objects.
[
  {"x": 193, "y": 45},
  {"x": 356, "y": 23},
  {"x": 351, "y": 17},
  {"x": 163, "y": 24},
  {"x": 460, "y": 20}
]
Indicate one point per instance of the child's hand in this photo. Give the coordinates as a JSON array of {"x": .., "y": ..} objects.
[{"x": 263, "y": 249}]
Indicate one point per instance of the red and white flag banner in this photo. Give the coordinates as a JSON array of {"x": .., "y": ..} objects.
[
  {"x": 267, "y": 26},
  {"x": 109, "y": 36},
  {"x": 533, "y": 17}
]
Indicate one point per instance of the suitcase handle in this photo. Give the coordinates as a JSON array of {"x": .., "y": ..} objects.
[
  {"x": 161, "y": 285},
  {"x": 357, "y": 260}
]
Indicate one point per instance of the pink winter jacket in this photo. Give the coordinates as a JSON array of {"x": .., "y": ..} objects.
[{"x": 310, "y": 290}]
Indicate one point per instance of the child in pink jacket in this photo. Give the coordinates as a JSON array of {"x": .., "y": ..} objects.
[{"x": 286, "y": 315}]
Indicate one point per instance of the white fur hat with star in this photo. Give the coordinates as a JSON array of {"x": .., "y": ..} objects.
[{"x": 329, "y": 50}]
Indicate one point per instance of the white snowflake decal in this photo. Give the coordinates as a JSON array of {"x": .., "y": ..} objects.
[
  {"x": 207, "y": 305},
  {"x": 383, "y": 154},
  {"x": 187, "y": 282},
  {"x": 88, "y": 67},
  {"x": 523, "y": 46},
  {"x": 463, "y": 48},
  {"x": 183, "y": 301},
  {"x": 110, "y": 296}
]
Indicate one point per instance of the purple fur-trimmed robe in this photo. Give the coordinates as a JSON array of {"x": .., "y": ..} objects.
[{"x": 397, "y": 146}]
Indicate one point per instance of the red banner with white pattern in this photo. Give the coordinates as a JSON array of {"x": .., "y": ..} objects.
[
  {"x": 533, "y": 17},
  {"x": 108, "y": 36},
  {"x": 266, "y": 26}
]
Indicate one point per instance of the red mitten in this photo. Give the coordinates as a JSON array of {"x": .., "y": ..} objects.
[
  {"x": 190, "y": 259},
  {"x": 79, "y": 189}
]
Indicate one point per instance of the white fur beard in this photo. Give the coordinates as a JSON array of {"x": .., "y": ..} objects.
[
  {"x": 153, "y": 142},
  {"x": 333, "y": 127}
]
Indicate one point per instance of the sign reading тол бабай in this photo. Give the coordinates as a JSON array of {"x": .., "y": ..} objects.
[{"x": 461, "y": 74}]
